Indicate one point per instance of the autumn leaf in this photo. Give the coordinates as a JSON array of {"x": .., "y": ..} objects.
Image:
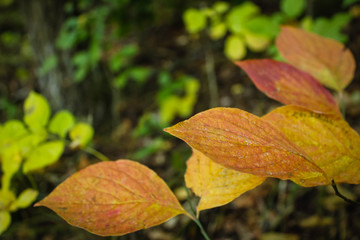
[
  {"x": 330, "y": 142},
  {"x": 241, "y": 141},
  {"x": 114, "y": 198},
  {"x": 215, "y": 184},
  {"x": 326, "y": 59},
  {"x": 289, "y": 85}
]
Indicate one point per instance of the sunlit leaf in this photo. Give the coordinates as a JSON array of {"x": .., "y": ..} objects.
[
  {"x": 289, "y": 85},
  {"x": 218, "y": 30},
  {"x": 330, "y": 142},
  {"x": 10, "y": 163},
  {"x": 332, "y": 28},
  {"x": 6, "y": 198},
  {"x": 26, "y": 198},
  {"x": 114, "y": 198},
  {"x": 235, "y": 48},
  {"x": 328, "y": 61},
  {"x": 43, "y": 155},
  {"x": 221, "y": 6},
  {"x": 12, "y": 130},
  {"x": 239, "y": 15},
  {"x": 239, "y": 140},
  {"x": 81, "y": 134},
  {"x": 30, "y": 141},
  {"x": 195, "y": 20},
  {"x": 264, "y": 26},
  {"x": 215, "y": 184},
  {"x": 5, "y": 220},
  {"x": 61, "y": 123},
  {"x": 293, "y": 8},
  {"x": 256, "y": 43},
  {"x": 37, "y": 111}
]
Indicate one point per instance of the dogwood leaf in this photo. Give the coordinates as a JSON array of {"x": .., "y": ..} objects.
[
  {"x": 327, "y": 60},
  {"x": 215, "y": 184},
  {"x": 289, "y": 85},
  {"x": 330, "y": 142},
  {"x": 241, "y": 141},
  {"x": 114, "y": 198}
]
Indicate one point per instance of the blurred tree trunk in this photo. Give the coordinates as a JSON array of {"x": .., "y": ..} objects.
[{"x": 91, "y": 98}]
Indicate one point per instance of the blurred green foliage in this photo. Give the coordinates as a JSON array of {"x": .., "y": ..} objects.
[
  {"x": 31, "y": 145},
  {"x": 244, "y": 27}
]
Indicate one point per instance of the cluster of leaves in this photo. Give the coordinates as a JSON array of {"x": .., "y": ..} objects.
[
  {"x": 32, "y": 145},
  {"x": 248, "y": 28},
  {"x": 176, "y": 97},
  {"x": 104, "y": 44},
  {"x": 306, "y": 141}
]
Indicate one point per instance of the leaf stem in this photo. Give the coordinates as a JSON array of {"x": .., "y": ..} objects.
[
  {"x": 196, "y": 219},
  {"x": 190, "y": 204},
  {"x": 342, "y": 196},
  {"x": 96, "y": 153},
  {"x": 32, "y": 181},
  {"x": 203, "y": 232}
]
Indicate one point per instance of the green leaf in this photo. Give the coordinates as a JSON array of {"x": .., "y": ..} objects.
[
  {"x": 61, "y": 123},
  {"x": 221, "y": 6},
  {"x": 293, "y": 8},
  {"x": 239, "y": 15},
  {"x": 139, "y": 74},
  {"x": 195, "y": 20},
  {"x": 12, "y": 130},
  {"x": 37, "y": 111},
  {"x": 43, "y": 155},
  {"x": 29, "y": 142},
  {"x": 6, "y": 198},
  {"x": 235, "y": 47},
  {"x": 81, "y": 134},
  {"x": 5, "y": 220},
  {"x": 26, "y": 198},
  {"x": 11, "y": 161},
  {"x": 121, "y": 80},
  {"x": 49, "y": 63},
  {"x": 347, "y": 3},
  {"x": 331, "y": 28},
  {"x": 218, "y": 30},
  {"x": 263, "y": 25}
]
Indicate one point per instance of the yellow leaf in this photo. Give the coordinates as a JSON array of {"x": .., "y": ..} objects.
[
  {"x": 5, "y": 220},
  {"x": 327, "y": 139},
  {"x": 235, "y": 48},
  {"x": 26, "y": 198},
  {"x": 256, "y": 43},
  {"x": 215, "y": 184}
]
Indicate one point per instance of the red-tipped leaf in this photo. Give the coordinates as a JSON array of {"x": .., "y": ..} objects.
[{"x": 288, "y": 85}]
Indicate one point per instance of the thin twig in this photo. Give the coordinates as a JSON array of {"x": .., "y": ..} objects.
[
  {"x": 342, "y": 196},
  {"x": 96, "y": 153}
]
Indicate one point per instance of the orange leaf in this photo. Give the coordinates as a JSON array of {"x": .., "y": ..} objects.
[
  {"x": 326, "y": 59},
  {"x": 330, "y": 142},
  {"x": 215, "y": 184},
  {"x": 289, "y": 85},
  {"x": 114, "y": 198},
  {"x": 241, "y": 141}
]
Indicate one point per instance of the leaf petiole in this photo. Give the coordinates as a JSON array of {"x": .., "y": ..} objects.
[{"x": 342, "y": 196}]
